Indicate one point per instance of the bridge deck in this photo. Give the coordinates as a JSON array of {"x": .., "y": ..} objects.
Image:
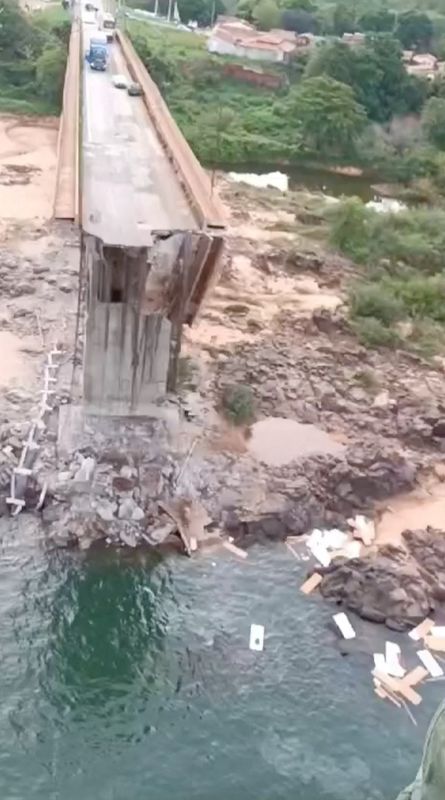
[{"x": 129, "y": 187}]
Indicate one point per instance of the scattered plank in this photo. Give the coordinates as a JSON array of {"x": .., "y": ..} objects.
[
  {"x": 417, "y": 675},
  {"x": 311, "y": 583},
  {"x": 392, "y": 659},
  {"x": 428, "y": 660},
  {"x": 421, "y": 630},
  {"x": 435, "y": 643},
  {"x": 398, "y": 686},
  {"x": 385, "y": 695},
  {"x": 232, "y": 548},
  {"x": 344, "y": 625},
  {"x": 438, "y": 630}
]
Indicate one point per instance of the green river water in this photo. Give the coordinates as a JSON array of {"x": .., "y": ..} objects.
[{"x": 125, "y": 677}]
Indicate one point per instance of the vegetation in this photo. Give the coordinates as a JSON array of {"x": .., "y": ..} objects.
[
  {"x": 372, "y": 119},
  {"x": 328, "y": 117},
  {"x": 33, "y": 52},
  {"x": 238, "y": 404},
  {"x": 401, "y": 300}
]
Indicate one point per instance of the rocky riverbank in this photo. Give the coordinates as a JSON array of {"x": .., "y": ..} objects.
[{"x": 372, "y": 422}]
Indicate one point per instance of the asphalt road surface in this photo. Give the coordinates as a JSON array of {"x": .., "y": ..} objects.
[{"x": 129, "y": 188}]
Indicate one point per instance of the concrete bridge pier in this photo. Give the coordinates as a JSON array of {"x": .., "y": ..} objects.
[{"x": 130, "y": 342}]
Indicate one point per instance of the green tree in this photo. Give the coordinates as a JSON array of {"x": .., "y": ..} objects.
[
  {"x": 244, "y": 9},
  {"x": 433, "y": 121},
  {"x": 50, "y": 73},
  {"x": 200, "y": 11},
  {"x": 344, "y": 19},
  {"x": 266, "y": 15},
  {"x": 414, "y": 30},
  {"x": 377, "y": 21},
  {"x": 294, "y": 19},
  {"x": 376, "y": 74},
  {"x": 329, "y": 118}
]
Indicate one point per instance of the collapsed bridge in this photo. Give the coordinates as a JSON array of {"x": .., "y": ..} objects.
[{"x": 152, "y": 231}]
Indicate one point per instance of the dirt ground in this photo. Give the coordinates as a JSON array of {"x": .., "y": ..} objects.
[
  {"x": 277, "y": 322},
  {"x": 38, "y": 260},
  {"x": 27, "y": 169}
]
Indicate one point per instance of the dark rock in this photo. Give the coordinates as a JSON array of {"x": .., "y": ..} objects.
[
  {"x": 123, "y": 484},
  {"x": 439, "y": 428},
  {"x": 395, "y": 586}
]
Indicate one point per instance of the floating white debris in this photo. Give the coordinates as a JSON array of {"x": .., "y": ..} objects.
[
  {"x": 256, "y": 641},
  {"x": 344, "y": 625},
  {"x": 392, "y": 659},
  {"x": 438, "y": 630},
  {"x": 320, "y": 542},
  {"x": 430, "y": 663},
  {"x": 379, "y": 662}
]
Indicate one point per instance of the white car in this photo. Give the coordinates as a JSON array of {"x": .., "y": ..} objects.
[{"x": 120, "y": 81}]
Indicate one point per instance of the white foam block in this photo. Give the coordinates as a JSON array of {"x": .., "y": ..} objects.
[
  {"x": 256, "y": 641},
  {"x": 430, "y": 663},
  {"x": 438, "y": 630},
  {"x": 345, "y": 627},
  {"x": 392, "y": 656},
  {"x": 379, "y": 662},
  {"x": 320, "y": 553}
]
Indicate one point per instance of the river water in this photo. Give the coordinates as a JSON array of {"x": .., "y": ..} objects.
[{"x": 127, "y": 677}]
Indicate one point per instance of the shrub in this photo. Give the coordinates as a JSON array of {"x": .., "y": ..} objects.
[
  {"x": 376, "y": 301},
  {"x": 238, "y": 404},
  {"x": 373, "y": 333}
]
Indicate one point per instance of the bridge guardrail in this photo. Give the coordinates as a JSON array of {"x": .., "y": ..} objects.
[
  {"x": 189, "y": 171},
  {"x": 67, "y": 189}
]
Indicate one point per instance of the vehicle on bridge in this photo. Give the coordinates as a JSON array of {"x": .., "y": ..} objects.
[
  {"x": 97, "y": 55},
  {"x": 107, "y": 23}
]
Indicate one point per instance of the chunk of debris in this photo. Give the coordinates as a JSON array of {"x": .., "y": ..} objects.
[
  {"x": 392, "y": 660},
  {"x": 438, "y": 630},
  {"x": 345, "y": 627},
  {"x": 363, "y": 529},
  {"x": 256, "y": 641},
  {"x": 415, "y": 676},
  {"x": 237, "y": 551},
  {"x": 435, "y": 643},
  {"x": 308, "y": 586},
  {"x": 191, "y": 519},
  {"x": 428, "y": 660},
  {"x": 322, "y": 543},
  {"x": 397, "y": 686},
  {"x": 420, "y": 631}
]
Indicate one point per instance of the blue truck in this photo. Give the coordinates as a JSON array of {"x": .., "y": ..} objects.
[{"x": 97, "y": 55}]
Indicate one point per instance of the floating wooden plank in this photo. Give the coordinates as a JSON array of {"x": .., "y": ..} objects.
[
  {"x": 421, "y": 630},
  {"x": 435, "y": 643},
  {"x": 311, "y": 583},
  {"x": 232, "y": 548},
  {"x": 398, "y": 686},
  {"x": 417, "y": 675},
  {"x": 384, "y": 695},
  {"x": 344, "y": 625},
  {"x": 428, "y": 660}
]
